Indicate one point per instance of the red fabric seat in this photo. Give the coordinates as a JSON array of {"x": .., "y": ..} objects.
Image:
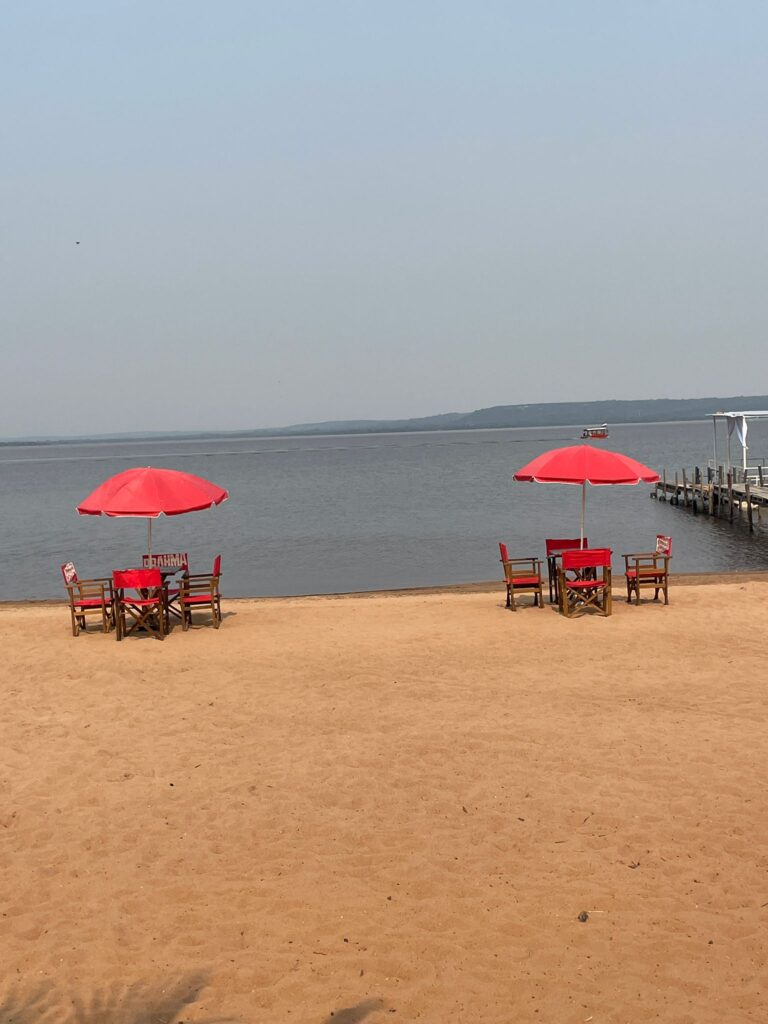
[{"x": 525, "y": 581}]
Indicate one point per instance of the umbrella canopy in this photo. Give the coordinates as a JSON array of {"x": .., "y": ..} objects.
[
  {"x": 583, "y": 464},
  {"x": 148, "y": 493}
]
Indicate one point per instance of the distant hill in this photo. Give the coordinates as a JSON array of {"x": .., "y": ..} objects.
[
  {"x": 543, "y": 414},
  {"x": 547, "y": 414}
]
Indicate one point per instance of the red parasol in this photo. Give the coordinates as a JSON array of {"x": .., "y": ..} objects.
[
  {"x": 582, "y": 464},
  {"x": 147, "y": 493}
]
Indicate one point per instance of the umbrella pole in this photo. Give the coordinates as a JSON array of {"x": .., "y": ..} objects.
[
  {"x": 149, "y": 541},
  {"x": 583, "y": 511}
]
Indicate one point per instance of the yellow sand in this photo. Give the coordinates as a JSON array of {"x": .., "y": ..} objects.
[{"x": 391, "y": 808}]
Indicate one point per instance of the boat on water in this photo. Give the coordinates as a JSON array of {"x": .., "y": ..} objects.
[{"x": 589, "y": 433}]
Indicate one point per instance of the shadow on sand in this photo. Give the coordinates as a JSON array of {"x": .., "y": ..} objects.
[
  {"x": 140, "y": 1003},
  {"x": 354, "y": 1014}
]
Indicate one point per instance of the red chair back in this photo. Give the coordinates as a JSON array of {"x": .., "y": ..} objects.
[
  {"x": 217, "y": 565},
  {"x": 69, "y": 572},
  {"x": 587, "y": 558},
  {"x": 663, "y": 545},
  {"x": 503, "y": 552},
  {"x": 136, "y": 579},
  {"x": 555, "y": 545}
]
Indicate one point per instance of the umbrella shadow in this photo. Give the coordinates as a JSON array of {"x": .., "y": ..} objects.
[{"x": 141, "y": 1002}]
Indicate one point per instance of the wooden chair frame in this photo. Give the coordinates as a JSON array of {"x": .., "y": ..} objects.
[
  {"x": 90, "y": 597},
  {"x": 201, "y": 590},
  {"x": 147, "y": 611},
  {"x": 521, "y": 580},
  {"x": 586, "y": 589},
  {"x": 647, "y": 569}
]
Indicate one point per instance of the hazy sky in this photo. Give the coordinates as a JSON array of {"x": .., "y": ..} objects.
[{"x": 299, "y": 211}]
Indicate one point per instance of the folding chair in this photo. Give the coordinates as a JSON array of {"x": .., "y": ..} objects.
[
  {"x": 555, "y": 547},
  {"x": 521, "y": 576},
  {"x": 649, "y": 569},
  {"x": 201, "y": 591},
  {"x": 87, "y": 597},
  {"x": 145, "y": 608},
  {"x": 584, "y": 588}
]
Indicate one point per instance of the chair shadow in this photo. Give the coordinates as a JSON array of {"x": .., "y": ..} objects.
[
  {"x": 158, "y": 1002},
  {"x": 354, "y": 1014}
]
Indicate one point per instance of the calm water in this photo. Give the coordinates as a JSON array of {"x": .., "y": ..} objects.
[{"x": 327, "y": 514}]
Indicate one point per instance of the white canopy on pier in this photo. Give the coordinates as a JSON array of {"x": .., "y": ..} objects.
[{"x": 738, "y": 421}]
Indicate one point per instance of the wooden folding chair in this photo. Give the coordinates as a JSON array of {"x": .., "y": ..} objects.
[
  {"x": 555, "y": 547},
  {"x": 201, "y": 591},
  {"x": 649, "y": 569},
  {"x": 579, "y": 584},
  {"x": 521, "y": 576},
  {"x": 88, "y": 597},
  {"x": 144, "y": 608}
]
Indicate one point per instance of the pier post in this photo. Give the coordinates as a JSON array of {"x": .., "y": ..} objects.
[
  {"x": 685, "y": 490},
  {"x": 749, "y": 504},
  {"x": 676, "y": 498},
  {"x": 730, "y": 494},
  {"x": 664, "y": 481},
  {"x": 719, "y": 491}
]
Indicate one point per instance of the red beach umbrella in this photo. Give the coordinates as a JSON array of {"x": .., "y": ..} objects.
[
  {"x": 146, "y": 493},
  {"x": 582, "y": 464}
]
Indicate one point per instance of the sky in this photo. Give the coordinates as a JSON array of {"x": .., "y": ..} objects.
[{"x": 243, "y": 214}]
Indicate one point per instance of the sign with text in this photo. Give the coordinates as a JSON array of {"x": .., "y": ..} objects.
[{"x": 172, "y": 560}]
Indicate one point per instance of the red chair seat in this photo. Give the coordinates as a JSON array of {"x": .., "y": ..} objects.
[
  {"x": 585, "y": 584},
  {"x": 645, "y": 573},
  {"x": 524, "y": 581},
  {"x": 197, "y": 599},
  {"x": 91, "y": 604}
]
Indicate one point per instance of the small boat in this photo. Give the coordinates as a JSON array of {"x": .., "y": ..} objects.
[{"x": 589, "y": 433}]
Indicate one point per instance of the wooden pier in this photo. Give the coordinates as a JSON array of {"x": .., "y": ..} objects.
[{"x": 728, "y": 493}]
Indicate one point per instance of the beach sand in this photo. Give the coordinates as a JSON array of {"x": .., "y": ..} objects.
[{"x": 390, "y": 808}]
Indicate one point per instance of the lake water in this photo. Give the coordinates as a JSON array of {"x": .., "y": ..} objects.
[{"x": 310, "y": 515}]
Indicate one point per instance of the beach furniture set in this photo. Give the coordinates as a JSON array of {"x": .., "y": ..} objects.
[
  {"x": 580, "y": 577},
  {"x": 146, "y": 599}
]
